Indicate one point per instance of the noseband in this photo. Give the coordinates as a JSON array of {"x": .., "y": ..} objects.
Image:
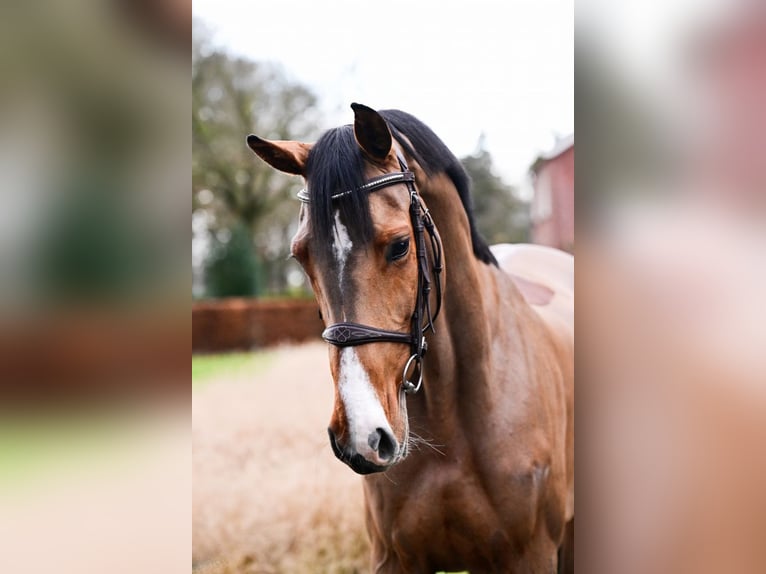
[{"x": 349, "y": 334}]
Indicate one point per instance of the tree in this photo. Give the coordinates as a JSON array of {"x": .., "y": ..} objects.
[
  {"x": 231, "y": 266},
  {"x": 233, "y": 96},
  {"x": 500, "y": 215}
]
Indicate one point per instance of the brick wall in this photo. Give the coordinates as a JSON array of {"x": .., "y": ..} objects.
[{"x": 237, "y": 324}]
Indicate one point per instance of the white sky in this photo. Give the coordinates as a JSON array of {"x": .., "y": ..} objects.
[{"x": 502, "y": 68}]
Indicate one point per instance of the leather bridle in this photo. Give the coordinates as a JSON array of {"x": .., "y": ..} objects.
[{"x": 349, "y": 334}]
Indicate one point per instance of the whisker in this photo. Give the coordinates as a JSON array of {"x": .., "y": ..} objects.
[
  {"x": 391, "y": 480},
  {"x": 417, "y": 441}
]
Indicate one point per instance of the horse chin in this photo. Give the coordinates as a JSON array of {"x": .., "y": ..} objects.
[
  {"x": 358, "y": 463},
  {"x": 361, "y": 465}
]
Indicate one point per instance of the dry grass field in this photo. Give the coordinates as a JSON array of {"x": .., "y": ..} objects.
[{"x": 268, "y": 494}]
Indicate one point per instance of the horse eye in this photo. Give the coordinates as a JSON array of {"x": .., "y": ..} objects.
[{"x": 398, "y": 249}]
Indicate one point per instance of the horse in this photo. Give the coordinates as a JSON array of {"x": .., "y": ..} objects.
[{"x": 452, "y": 362}]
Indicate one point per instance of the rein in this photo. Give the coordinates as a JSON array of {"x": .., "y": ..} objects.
[{"x": 349, "y": 334}]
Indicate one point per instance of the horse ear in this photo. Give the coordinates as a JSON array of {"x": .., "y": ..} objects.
[
  {"x": 287, "y": 156},
  {"x": 371, "y": 132}
]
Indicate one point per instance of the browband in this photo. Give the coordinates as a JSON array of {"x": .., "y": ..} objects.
[{"x": 375, "y": 183}]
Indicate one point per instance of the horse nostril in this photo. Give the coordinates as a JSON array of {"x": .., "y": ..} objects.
[
  {"x": 383, "y": 443},
  {"x": 374, "y": 439}
]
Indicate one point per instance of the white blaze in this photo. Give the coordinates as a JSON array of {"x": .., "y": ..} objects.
[
  {"x": 360, "y": 401},
  {"x": 341, "y": 246},
  {"x": 364, "y": 412}
]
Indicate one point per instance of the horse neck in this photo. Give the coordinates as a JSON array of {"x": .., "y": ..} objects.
[{"x": 457, "y": 366}]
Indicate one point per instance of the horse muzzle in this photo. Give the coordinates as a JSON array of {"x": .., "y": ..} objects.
[{"x": 383, "y": 450}]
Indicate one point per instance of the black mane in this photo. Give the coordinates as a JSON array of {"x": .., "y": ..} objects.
[
  {"x": 435, "y": 157},
  {"x": 335, "y": 164}
]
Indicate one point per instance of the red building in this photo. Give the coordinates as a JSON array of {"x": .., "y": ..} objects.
[{"x": 553, "y": 203}]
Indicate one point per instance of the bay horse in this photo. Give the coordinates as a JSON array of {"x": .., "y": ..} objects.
[{"x": 452, "y": 362}]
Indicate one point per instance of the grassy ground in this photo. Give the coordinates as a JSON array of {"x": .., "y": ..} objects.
[
  {"x": 34, "y": 446},
  {"x": 207, "y": 368}
]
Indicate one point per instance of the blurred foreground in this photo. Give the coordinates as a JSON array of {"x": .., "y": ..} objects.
[
  {"x": 94, "y": 268},
  {"x": 95, "y": 491},
  {"x": 94, "y": 183},
  {"x": 671, "y": 279}
]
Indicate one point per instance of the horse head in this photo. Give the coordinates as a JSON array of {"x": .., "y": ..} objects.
[{"x": 364, "y": 256}]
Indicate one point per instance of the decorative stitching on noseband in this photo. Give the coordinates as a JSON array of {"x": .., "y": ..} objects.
[{"x": 349, "y": 334}]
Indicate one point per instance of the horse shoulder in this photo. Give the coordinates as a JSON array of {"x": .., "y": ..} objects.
[{"x": 545, "y": 278}]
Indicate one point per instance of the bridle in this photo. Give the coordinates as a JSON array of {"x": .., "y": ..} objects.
[{"x": 349, "y": 334}]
